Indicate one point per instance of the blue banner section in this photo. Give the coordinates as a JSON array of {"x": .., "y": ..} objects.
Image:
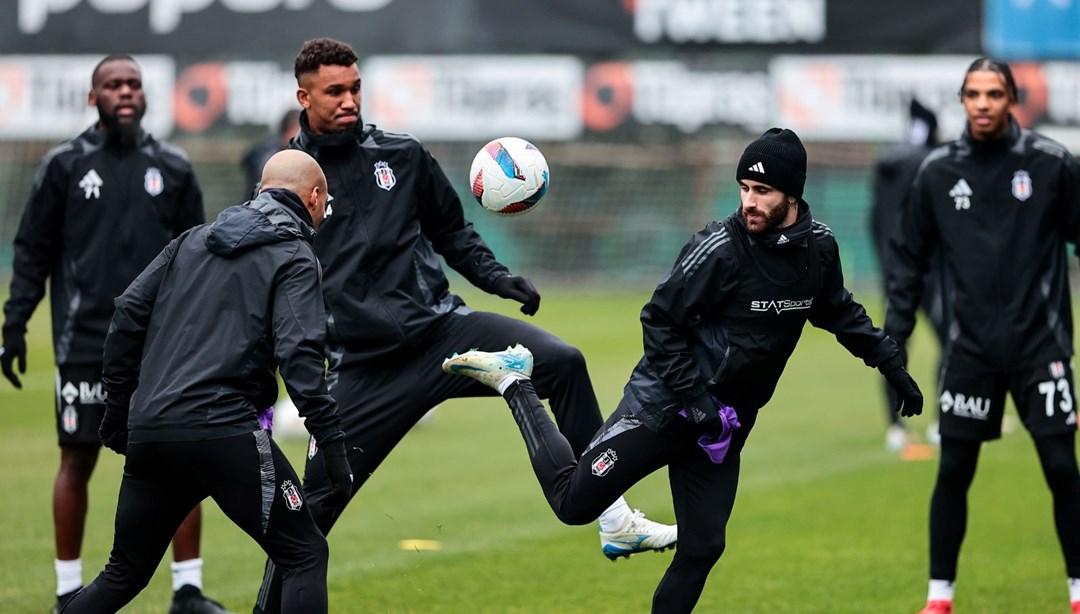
[{"x": 1032, "y": 29}]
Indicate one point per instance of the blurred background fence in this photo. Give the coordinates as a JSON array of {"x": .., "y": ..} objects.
[{"x": 617, "y": 213}]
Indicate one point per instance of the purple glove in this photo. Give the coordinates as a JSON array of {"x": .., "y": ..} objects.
[
  {"x": 716, "y": 444},
  {"x": 266, "y": 420}
]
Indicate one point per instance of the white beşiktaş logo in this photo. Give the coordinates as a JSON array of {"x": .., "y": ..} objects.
[
  {"x": 964, "y": 406},
  {"x": 384, "y": 175},
  {"x": 961, "y": 194},
  {"x": 1021, "y": 186},
  {"x": 153, "y": 182},
  {"x": 91, "y": 184},
  {"x": 69, "y": 419},
  {"x": 603, "y": 463},
  {"x": 292, "y": 495},
  {"x": 757, "y": 167},
  {"x": 782, "y": 305}
]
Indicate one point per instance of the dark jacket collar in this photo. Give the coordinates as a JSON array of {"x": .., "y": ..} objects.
[
  {"x": 100, "y": 138},
  {"x": 795, "y": 234},
  {"x": 1007, "y": 140},
  {"x": 313, "y": 143}
]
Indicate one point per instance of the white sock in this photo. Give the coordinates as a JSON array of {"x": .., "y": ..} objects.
[
  {"x": 187, "y": 572},
  {"x": 68, "y": 576},
  {"x": 614, "y": 517},
  {"x": 509, "y": 379},
  {"x": 940, "y": 590},
  {"x": 1074, "y": 589}
]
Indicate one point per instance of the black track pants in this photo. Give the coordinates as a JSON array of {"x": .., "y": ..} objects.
[
  {"x": 252, "y": 482},
  {"x": 948, "y": 506},
  {"x": 623, "y": 452}
]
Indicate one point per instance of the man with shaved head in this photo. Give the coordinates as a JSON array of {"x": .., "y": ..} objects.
[
  {"x": 189, "y": 362},
  {"x": 103, "y": 205}
]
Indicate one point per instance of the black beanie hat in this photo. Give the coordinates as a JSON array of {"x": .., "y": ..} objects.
[{"x": 777, "y": 158}]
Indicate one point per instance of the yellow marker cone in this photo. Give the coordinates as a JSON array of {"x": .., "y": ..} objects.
[{"x": 420, "y": 544}]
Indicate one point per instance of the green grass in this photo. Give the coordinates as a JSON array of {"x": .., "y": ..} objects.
[{"x": 826, "y": 520}]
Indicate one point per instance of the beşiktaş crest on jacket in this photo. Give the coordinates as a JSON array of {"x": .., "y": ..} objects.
[
  {"x": 728, "y": 315},
  {"x": 99, "y": 213},
  {"x": 1000, "y": 212}
]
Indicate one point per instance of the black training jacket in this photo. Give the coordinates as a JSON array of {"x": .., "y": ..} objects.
[
  {"x": 1000, "y": 212},
  {"x": 197, "y": 336},
  {"x": 393, "y": 213},
  {"x": 726, "y": 318},
  {"x": 98, "y": 214}
]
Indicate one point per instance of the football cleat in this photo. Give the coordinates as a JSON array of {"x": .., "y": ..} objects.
[
  {"x": 189, "y": 599},
  {"x": 937, "y": 606},
  {"x": 491, "y": 368},
  {"x": 638, "y": 534}
]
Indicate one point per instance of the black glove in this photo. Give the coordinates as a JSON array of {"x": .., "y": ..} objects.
[
  {"x": 703, "y": 412},
  {"x": 909, "y": 399},
  {"x": 113, "y": 431},
  {"x": 337, "y": 469},
  {"x": 901, "y": 344},
  {"x": 519, "y": 289},
  {"x": 14, "y": 348}
]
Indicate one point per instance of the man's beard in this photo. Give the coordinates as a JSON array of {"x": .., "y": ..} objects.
[
  {"x": 126, "y": 134},
  {"x": 772, "y": 219}
]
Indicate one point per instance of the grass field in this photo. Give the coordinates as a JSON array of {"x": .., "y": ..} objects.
[{"x": 826, "y": 521}]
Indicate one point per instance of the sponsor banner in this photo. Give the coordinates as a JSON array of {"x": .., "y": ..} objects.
[
  {"x": 557, "y": 97},
  {"x": 554, "y": 98},
  {"x": 672, "y": 93},
  {"x": 467, "y": 97},
  {"x": 1062, "y": 92},
  {"x": 865, "y": 98},
  {"x": 188, "y": 28},
  {"x": 730, "y": 21},
  {"x": 45, "y": 97}
]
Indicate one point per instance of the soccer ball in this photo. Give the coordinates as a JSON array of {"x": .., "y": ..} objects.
[{"x": 509, "y": 176}]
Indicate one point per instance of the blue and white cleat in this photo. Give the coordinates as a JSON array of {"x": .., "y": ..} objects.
[
  {"x": 492, "y": 368},
  {"x": 638, "y": 534}
]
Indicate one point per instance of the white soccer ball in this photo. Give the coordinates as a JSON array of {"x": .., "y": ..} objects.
[{"x": 509, "y": 176}]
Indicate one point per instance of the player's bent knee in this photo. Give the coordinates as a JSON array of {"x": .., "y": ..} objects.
[
  {"x": 564, "y": 359},
  {"x": 704, "y": 550},
  {"x": 575, "y": 517}
]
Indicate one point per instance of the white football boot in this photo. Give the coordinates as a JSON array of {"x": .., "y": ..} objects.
[
  {"x": 491, "y": 368},
  {"x": 638, "y": 534}
]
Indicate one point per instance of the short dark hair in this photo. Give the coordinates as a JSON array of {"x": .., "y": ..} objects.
[
  {"x": 993, "y": 65},
  {"x": 322, "y": 52},
  {"x": 112, "y": 57}
]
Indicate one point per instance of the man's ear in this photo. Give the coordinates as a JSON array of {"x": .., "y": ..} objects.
[
  {"x": 303, "y": 97},
  {"x": 91, "y": 99}
]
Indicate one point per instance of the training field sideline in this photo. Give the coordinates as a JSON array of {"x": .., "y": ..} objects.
[{"x": 826, "y": 519}]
